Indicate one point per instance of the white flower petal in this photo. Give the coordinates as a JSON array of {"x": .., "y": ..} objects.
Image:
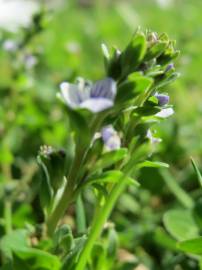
[
  {"x": 84, "y": 89},
  {"x": 164, "y": 113},
  {"x": 152, "y": 139},
  {"x": 70, "y": 94},
  {"x": 96, "y": 104}
]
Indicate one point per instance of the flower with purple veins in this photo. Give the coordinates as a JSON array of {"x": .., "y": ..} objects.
[
  {"x": 94, "y": 97},
  {"x": 162, "y": 99},
  {"x": 110, "y": 138}
]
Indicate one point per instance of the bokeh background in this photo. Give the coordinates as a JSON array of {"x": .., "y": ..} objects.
[{"x": 43, "y": 43}]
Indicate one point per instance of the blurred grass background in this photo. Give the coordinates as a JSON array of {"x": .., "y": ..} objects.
[{"x": 61, "y": 42}]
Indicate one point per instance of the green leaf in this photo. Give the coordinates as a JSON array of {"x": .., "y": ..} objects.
[
  {"x": 101, "y": 189},
  {"x": 53, "y": 165},
  {"x": 105, "y": 51},
  {"x": 197, "y": 212},
  {"x": 168, "y": 55},
  {"x": 110, "y": 177},
  {"x": 112, "y": 243},
  {"x": 114, "y": 68},
  {"x": 110, "y": 158},
  {"x": 146, "y": 110},
  {"x": 63, "y": 238},
  {"x": 162, "y": 238},
  {"x": 45, "y": 192},
  {"x": 162, "y": 81},
  {"x": 98, "y": 256},
  {"x": 72, "y": 257},
  {"x": 193, "y": 246},
  {"x": 153, "y": 164},
  {"x": 34, "y": 259},
  {"x": 134, "y": 53},
  {"x": 13, "y": 240},
  {"x": 180, "y": 224},
  {"x": 106, "y": 177},
  {"x": 7, "y": 266},
  {"x": 23, "y": 215},
  {"x": 156, "y": 50},
  {"x": 198, "y": 174},
  {"x": 135, "y": 84},
  {"x": 106, "y": 55},
  {"x": 79, "y": 123},
  {"x": 142, "y": 83}
]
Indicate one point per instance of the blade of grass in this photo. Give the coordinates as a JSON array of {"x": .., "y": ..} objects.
[
  {"x": 175, "y": 188},
  {"x": 198, "y": 174}
]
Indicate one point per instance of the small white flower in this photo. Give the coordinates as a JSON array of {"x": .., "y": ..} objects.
[
  {"x": 152, "y": 139},
  {"x": 164, "y": 113},
  {"x": 96, "y": 98},
  {"x": 30, "y": 61},
  {"x": 110, "y": 138},
  {"x": 9, "y": 45}
]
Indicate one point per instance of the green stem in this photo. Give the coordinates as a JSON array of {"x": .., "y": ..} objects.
[
  {"x": 8, "y": 216},
  {"x": 68, "y": 193},
  {"x": 99, "y": 222},
  {"x": 59, "y": 210},
  {"x": 80, "y": 215}
]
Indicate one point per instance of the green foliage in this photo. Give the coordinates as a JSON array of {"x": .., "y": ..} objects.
[
  {"x": 34, "y": 259},
  {"x": 192, "y": 246},
  {"x": 61, "y": 48},
  {"x": 180, "y": 224}
]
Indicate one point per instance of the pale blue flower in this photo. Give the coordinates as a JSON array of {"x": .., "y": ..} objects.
[
  {"x": 30, "y": 61},
  {"x": 152, "y": 139},
  {"x": 164, "y": 113},
  {"x": 94, "y": 97},
  {"x": 10, "y": 46},
  {"x": 110, "y": 138}
]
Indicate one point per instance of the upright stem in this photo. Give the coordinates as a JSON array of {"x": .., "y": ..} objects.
[
  {"x": 80, "y": 215},
  {"x": 59, "y": 210},
  {"x": 99, "y": 222},
  {"x": 7, "y": 203},
  {"x": 67, "y": 196},
  {"x": 8, "y": 216}
]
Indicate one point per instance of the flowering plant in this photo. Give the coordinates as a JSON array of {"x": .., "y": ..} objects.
[{"x": 110, "y": 139}]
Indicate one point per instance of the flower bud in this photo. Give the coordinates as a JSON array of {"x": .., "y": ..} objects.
[
  {"x": 169, "y": 67},
  {"x": 54, "y": 160},
  {"x": 162, "y": 99}
]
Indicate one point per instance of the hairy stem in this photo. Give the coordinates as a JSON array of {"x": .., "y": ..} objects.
[
  {"x": 99, "y": 222},
  {"x": 59, "y": 210},
  {"x": 68, "y": 193}
]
